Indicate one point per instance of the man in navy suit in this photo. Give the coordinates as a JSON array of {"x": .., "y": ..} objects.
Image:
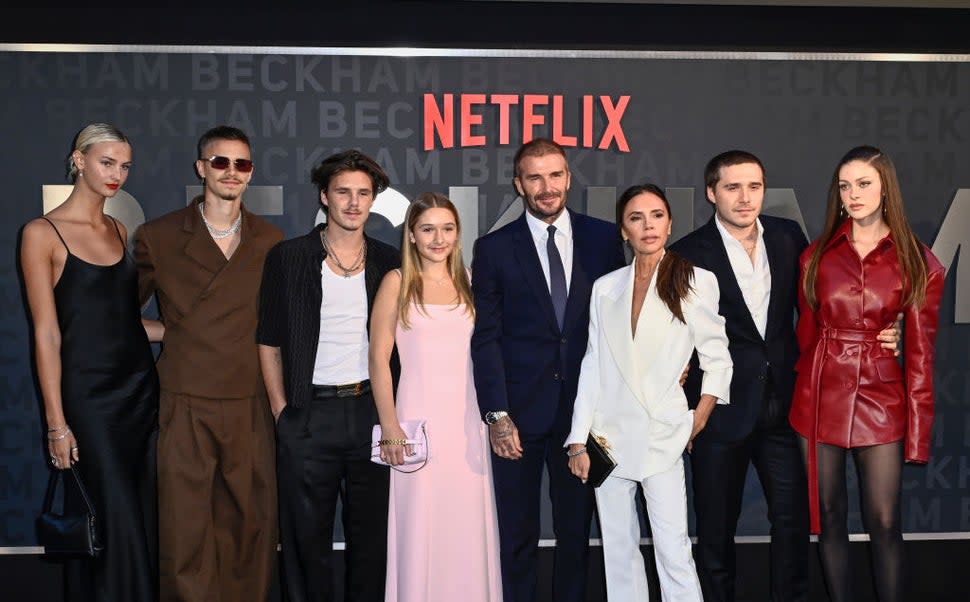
[
  {"x": 755, "y": 260},
  {"x": 532, "y": 281}
]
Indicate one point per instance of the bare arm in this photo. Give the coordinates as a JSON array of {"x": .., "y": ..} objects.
[
  {"x": 37, "y": 261},
  {"x": 154, "y": 329},
  {"x": 383, "y": 324},
  {"x": 271, "y": 365}
]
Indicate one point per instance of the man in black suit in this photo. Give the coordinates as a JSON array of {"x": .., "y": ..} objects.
[{"x": 755, "y": 259}]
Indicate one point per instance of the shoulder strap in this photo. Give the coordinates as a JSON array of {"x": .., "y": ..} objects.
[
  {"x": 56, "y": 231},
  {"x": 124, "y": 244}
]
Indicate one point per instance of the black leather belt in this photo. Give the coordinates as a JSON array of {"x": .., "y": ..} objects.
[{"x": 347, "y": 390}]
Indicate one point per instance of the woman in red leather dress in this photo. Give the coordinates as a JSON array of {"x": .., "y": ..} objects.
[{"x": 851, "y": 393}]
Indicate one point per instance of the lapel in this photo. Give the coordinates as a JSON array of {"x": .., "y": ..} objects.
[
  {"x": 247, "y": 250},
  {"x": 776, "y": 263},
  {"x": 653, "y": 327},
  {"x": 580, "y": 283},
  {"x": 524, "y": 251},
  {"x": 636, "y": 357},
  {"x": 200, "y": 247},
  {"x": 731, "y": 295},
  {"x": 615, "y": 315}
]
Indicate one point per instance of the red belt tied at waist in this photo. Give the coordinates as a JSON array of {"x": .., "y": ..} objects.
[{"x": 826, "y": 334}]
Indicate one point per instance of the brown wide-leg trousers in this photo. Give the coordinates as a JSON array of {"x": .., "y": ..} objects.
[{"x": 216, "y": 499}]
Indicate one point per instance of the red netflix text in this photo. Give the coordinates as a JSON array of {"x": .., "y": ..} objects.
[{"x": 532, "y": 110}]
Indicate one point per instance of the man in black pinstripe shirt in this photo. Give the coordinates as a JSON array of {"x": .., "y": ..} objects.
[{"x": 314, "y": 317}]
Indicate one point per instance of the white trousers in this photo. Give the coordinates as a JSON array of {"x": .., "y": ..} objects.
[{"x": 666, "y": 498}]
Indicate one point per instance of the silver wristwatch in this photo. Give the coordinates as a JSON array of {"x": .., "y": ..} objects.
[{"x": 493, "y": 417}]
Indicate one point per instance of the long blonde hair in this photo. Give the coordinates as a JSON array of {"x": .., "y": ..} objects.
[
  {"x": 909, "y": 252},
  {"x": 412, "y": 287}
]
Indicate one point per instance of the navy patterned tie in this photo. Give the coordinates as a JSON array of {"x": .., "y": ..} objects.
[{"x": 557, "y": 276}]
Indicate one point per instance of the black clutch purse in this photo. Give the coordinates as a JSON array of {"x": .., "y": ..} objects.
[
  {"x": 601, "y": 462},
  {"x": 68, "y": 536}
]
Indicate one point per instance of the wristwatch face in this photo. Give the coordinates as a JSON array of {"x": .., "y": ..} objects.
[{"x": 493, "y": 417}]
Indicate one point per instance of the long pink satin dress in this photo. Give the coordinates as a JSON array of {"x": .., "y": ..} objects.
[{"x": 442, "y": 531}]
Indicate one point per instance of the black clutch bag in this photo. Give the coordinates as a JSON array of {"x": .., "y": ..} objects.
[
  {"x": 601, "y": 462},
  {"x": 68, "y": 536}
]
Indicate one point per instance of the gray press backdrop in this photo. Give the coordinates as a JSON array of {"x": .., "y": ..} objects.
[{"x": 450, "y": 121}]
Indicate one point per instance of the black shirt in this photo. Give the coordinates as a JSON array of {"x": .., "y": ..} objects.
[{"x": 289, "y": 304}]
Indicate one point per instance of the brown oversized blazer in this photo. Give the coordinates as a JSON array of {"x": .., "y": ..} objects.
[{"x": 209, "y": 304}]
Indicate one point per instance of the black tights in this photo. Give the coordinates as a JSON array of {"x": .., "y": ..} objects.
[{"x": 879, "y": 469}]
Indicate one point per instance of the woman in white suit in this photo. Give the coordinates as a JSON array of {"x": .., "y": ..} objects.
[{"x": 646, "y": 319}]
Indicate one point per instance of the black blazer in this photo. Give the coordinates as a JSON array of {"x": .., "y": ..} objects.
[
  {"x": 755, "y": 358},
  {"x": 289, "y": 305},
  {"x": 523, "y": 362}
]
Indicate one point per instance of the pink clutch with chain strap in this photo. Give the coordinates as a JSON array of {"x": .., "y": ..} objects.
[{"x": 416, "y": 435}]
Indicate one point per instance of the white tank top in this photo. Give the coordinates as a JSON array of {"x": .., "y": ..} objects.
[{"x": 342, "y": 348}]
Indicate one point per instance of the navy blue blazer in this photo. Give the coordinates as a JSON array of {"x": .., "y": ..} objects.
[
  {"x": 755, "y": 358},
  {"x": 523, "y": 363}
]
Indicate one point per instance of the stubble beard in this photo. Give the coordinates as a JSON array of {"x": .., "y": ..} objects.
[{"x": 535, "y": 208}]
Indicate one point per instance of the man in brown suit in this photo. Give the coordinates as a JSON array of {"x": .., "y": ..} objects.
[{"x": 216, "y": 452}]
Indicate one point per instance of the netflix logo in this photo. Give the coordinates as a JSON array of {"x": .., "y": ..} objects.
[{"x": 463, "y": 116}]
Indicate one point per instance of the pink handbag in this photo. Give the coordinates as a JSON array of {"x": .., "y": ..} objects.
[{"x": 416, "y": 435}]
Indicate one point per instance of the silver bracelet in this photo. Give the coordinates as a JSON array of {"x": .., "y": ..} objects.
[
  {"x": 59, "y": 437},
  {"x": 578, "y": 452}
]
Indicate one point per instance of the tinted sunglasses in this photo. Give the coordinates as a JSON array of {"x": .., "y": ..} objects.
[{"x": 219, "y": 162}]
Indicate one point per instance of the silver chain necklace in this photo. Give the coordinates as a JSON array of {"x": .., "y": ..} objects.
[
  {"x": 359, "y": 261},
  {"x": 216, "y": 233}
]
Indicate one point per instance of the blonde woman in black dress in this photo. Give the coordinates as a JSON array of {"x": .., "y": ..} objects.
[{"x": 96, "y": 369}]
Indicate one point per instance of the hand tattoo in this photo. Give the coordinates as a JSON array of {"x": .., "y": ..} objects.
[{"x": 503, "y": 428}]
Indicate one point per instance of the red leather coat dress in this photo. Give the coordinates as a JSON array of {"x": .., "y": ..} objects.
[{"x": 850, "y": 392}]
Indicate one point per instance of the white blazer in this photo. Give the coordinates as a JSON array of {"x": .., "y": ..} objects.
[{"x": 629, "y": 387}]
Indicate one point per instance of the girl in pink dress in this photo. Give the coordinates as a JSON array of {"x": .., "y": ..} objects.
[{"x": 442, "y": 533}]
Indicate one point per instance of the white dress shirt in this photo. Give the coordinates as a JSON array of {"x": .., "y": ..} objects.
[
  {"x": 564, "y": 242},
  {"x": 754, "y": 277}
]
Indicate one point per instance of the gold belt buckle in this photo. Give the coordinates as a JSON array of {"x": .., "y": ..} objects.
[{"x": 352, "y": 390}]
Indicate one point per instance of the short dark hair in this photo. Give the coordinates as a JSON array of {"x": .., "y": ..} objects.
[
  {"x": 221, "y": 132},
  {"x": 536, "y": 148},
  {"x": 712, "y": 173},
  {"x": 349, "y": 160}
]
